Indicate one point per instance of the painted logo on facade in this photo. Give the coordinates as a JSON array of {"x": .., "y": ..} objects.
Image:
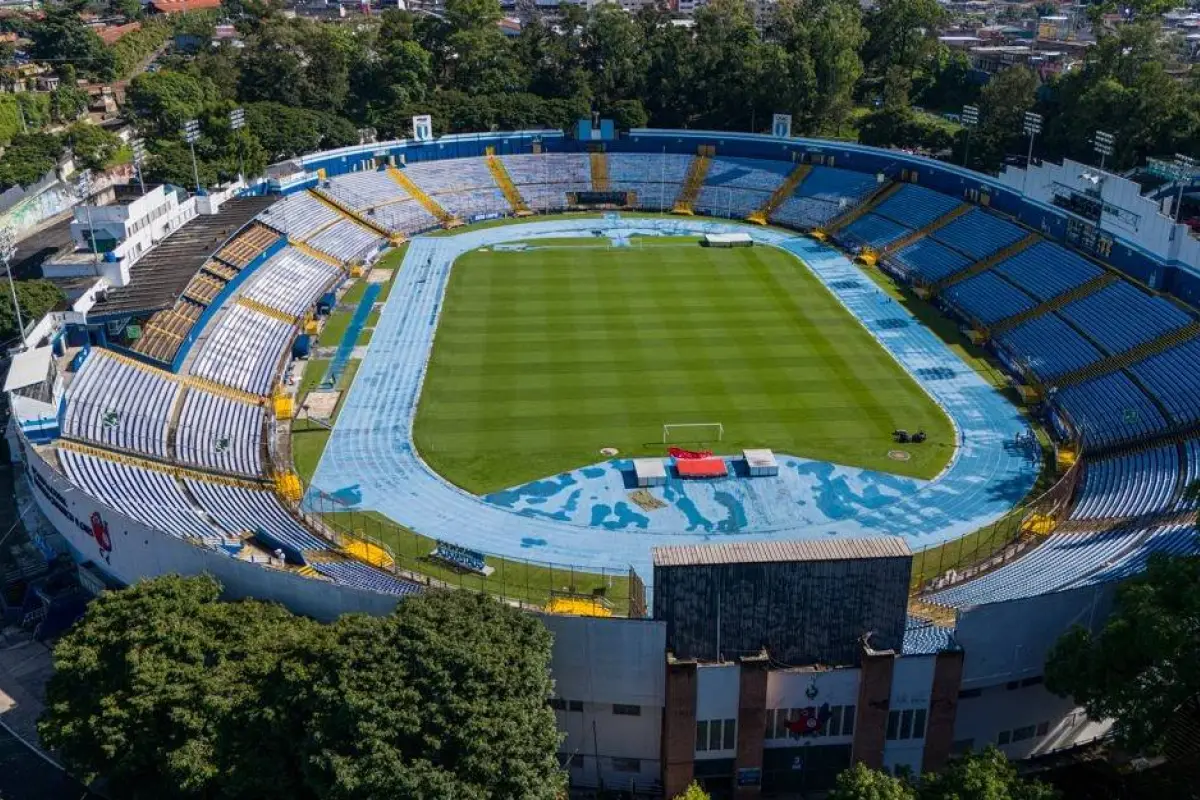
[{"x": 100, "y": 534}]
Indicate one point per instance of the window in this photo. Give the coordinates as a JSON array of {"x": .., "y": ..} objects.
[
  {"x": 848, "y": 721},
  {"x": 628, "y": 711},
  {"x": 702, "y": 736},
  {"x": 919, "y": 724},
  {"x": 714, "y": 735},
  {"x": 906, "y": 718},
  {"x": 1021, "y": 734},
  {"x": 967, "y": 694},
  {"x": 893, "y": 725},
  {"x": 730, "y": 734},
  {"x": 575, "y": 705},
  {"x": 1043, "y": 728},
  {"x": 1005, "y": 737},
  {"x": 558, "y": 704},
  {"x": 834, "y": 726},
  {"x": 906, "y": 724},
  {"x": 627, "y": 764}
]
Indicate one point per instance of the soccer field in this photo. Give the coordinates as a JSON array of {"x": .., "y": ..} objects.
[{"x": 542, "y": 357}]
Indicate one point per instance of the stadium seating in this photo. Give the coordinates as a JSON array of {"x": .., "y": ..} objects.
[
  {"x": 1062, "y": 561},
  {"x": 572, "y": 169},
  {"x": 119, "y": 405},
  {"x": 346, "y": 241},
  {"x": 365, "y": 190},
  {"x": 475, "y": 202},
  {"x": 242, "y": 349},
  {"x": 1172, "y": 540},
  {"x": 1173, "y": 378},
  {"x": 220, "y": 433},
  {"x": 1191, "y": 471},
  {"x": 1047, "y": 270},
  {"x": 873, "y": 231},
  {"x": 1109, "y": 409},
  {"x": 624, "y": 168},
  {"x": 1128, "y": 485},
  {"x": 930, "y": 261},
  {"x": 755, "y": 174},
  {"x": 719, "y": 201},
  {"x": 988, "y": 298},
  {"x": 299, "y": 215},
  {"x": 364, "y": 576},
  {"x": 451, "y": 175},
  {"x": 914, "y": 207},
  {"x": 1049, "y": 346},
  {"x": 148, "y": 496},
  {"x": 407, "y": 217},
  {"x": 836, "y": 186},
  {"x": 291, "y": 281},
  {"x": 239, "y": 509},
  {"x": 1120, "y": 316},
  {"x": 978, "y": 234}
]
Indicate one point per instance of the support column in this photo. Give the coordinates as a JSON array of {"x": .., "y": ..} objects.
[
  {"x": 751, "y": 726},
  {"x": 943, "y": 709},
  {"x": 874, "y": 702},
  {"x": 679, "y": 726}
]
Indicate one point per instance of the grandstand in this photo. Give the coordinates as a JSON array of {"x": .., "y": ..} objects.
[{"x": 164, "y": 388}]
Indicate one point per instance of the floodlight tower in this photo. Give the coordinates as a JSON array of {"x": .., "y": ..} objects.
[
  {"x": 83, "y": 185},
  {"x": 1104, "y": 142},
  {"x": 139, "y": 158},
  {"x": 8, "y": 249},
  {"x": 237, "y": 121},
  {"x": 191, "y": 134},
  {"x": 1032, "y": 126},
  {"x": 970, "y": 121},
  {"x": 1184, "y": 167}
]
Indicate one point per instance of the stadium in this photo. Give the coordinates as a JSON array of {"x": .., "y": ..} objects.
[{"x": 806, "y": 451}]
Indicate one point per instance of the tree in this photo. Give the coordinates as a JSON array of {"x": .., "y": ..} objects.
[
  {"x": 27, "y": 158},
  {"x": 693, "y": 792},
  {"x": 168, "y": 692},
  {"x": 62, "y": 37},
  {"x": 1002, "y": 106},
  {"x": 164, "y": 100},
  {"x": 37, "y": 297},
  {"x": 1145, "y": 662},
  {"x": 862, "y": 783},
  {"x": 902, "y": 33},
  {"x": 92, "y": 146}
]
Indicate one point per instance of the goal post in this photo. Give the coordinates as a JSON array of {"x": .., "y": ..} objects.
[{"x": 683, "y": 432}]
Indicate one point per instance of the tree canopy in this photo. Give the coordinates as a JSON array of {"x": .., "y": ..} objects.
[
  {"x": 168, "y": 691},
  {"x": 985, "y": 775},
  {"x": 1144, "y": 664},
  {"x": 36, "y": 298}
]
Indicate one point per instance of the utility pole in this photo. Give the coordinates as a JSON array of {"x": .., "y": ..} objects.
[
  {"x": 139, "y": 156},
  {"x": 8, "y": 249},
  {"x": 83, "y": 185},
  {"x": 1185, "y": 168}
]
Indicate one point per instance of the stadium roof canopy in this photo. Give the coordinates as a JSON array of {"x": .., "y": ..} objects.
[
  {"x": 28, "y": 368},
  {"x": 792, "y": 550}
]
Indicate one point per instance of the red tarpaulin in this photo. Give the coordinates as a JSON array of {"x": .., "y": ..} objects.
[
  {"x": 701, "y": 467},
  {"x": 679, "y": 452}
]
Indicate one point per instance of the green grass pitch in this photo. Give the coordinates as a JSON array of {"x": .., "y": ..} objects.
[{"x": 543, "y": 357}]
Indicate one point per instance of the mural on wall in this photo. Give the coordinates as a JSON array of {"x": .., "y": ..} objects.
[{"x": 51, "y": 197}]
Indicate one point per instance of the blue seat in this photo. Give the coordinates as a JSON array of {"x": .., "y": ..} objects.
[
  {"x": 1109, "y": 409},
  {"x": 988, "y": 298},
  {"x": 1173, "y": 377},
  {"x": 978, "y": 234},
  {"x": 1128, "y": 485},
  {"x": 364, "y": 576},
  {"x": 930, "y": 260},
  {"x": 836, "y": 185},
  {"x": 1047, "y": 270},
  {"x": 872, "y": 230},
  {"x": 1049, "y": 346},
  {"x": 915, "y": 207},
  {"x": 1120, "y": 316}
]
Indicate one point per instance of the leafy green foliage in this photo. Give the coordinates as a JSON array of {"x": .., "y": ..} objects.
[
  {"x": 987, "y": 775},
  {"x": 27, "y": 158},
  {"x": 168, "y": 692},
  {"x": 693, "y": 792},
  {"x": 62, "y": 37},
  {"x": 1145, "y": 662},
  {"x": 92, "y": 146},
  {"x": 34, "y": 107},
  {"x": 36, "y": 298},
  {"x": 135, "y": 47}
]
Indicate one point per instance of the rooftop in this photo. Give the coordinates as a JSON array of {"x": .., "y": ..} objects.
[
  {"x": 159, "y": 278},
  {"x": 790, "y": 550}
]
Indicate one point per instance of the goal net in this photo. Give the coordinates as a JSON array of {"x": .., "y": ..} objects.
[{"x": 691, "y": 432}]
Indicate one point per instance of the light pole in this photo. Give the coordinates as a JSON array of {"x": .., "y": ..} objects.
[
  {"x": 83, "y": 185},
  {"x": 1185, "y": 168},
  {"x": 139, "y": 156},
  {"x": 8, "y": 248},
  {"x": 1033, "y": 126},
  {"x": 1103, "y": 141},
  {"x": 191, "y": 134},
  {"x": 970, "y": 120},
  {"x": 237, "y": 121}
]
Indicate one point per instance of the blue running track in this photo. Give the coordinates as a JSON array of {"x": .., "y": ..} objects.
[{"x": 370, "y": 460}]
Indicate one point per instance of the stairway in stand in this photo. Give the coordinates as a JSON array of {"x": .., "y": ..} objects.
[
  {"x": 881, "y": 193},
  {"x": 921, "y": 233},
  {"x": 443, "y": 216},
  {"x": 350, "y": 213},
  {"x": 511, "y": 193},
  {"x": 600, "y": 181},
  {"x": 697, "y": 172},
  {"x": 780, "y": 195},
  {"x": 987, "y": 263}
]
